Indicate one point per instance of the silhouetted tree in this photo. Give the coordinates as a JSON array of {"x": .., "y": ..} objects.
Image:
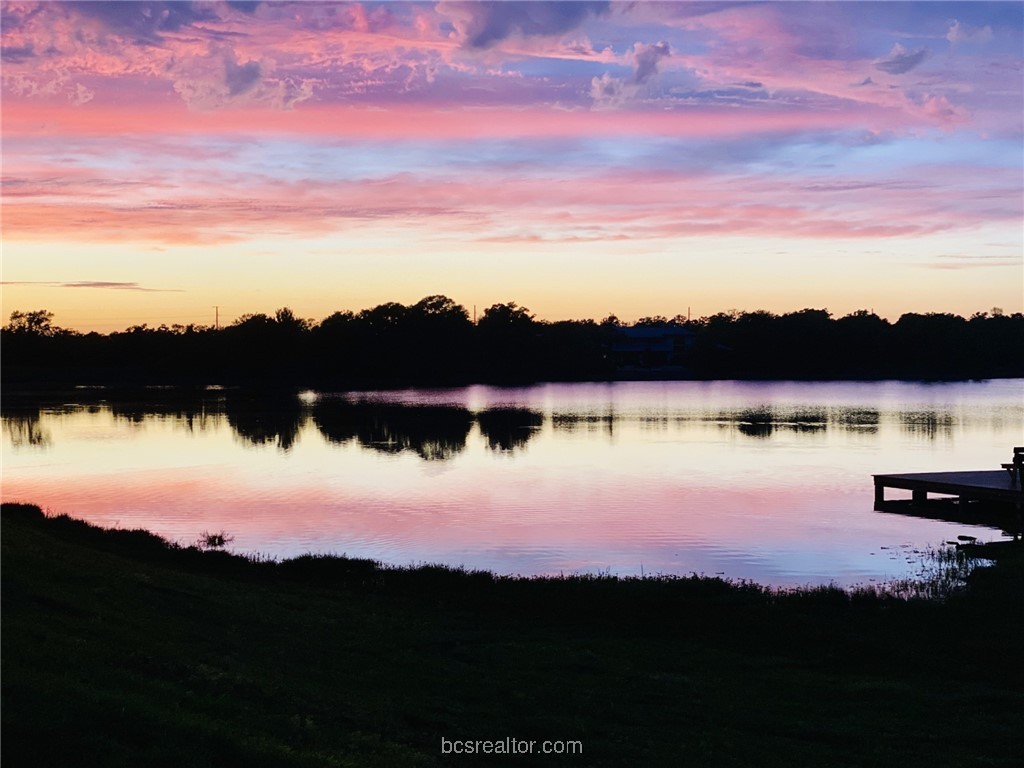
[
  {"x": 653, "y": 320},
  {"x": 440, "y": 309},
  {"x": 32, "y": 343},
  {"x": 334, "y": 341},
  {"x": 36, "y": 323},
  {"x": 504, "y": 318},
  {"x": 931, "y": 345},
  {"x": 266, "y": 349},
  {"x": 507, "y": 332},
  {"x": 288, "y": 323},
  {"x": 863, "y": 342},
  {"x": 439, "y": 333},
  {"x": 384, "y": 318}
]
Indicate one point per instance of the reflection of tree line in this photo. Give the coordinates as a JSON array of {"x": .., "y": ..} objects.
[
  {"x": 760, "y": 422},
  {"x": 24, "y": 428},
  {"x": 763, "y": 422},
  {"x": 440, "y": 432},
  {"x": 430, "y": 431}
]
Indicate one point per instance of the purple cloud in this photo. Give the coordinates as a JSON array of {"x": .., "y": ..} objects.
[
  {"x": 647, "y": 58},
  {"x": 240, "y": 78},
  {"x": 482, "y": 24},
  {"x": 144, "y": 21},
  {"x": 900, "y": 60},
  {"x": 13, "y": 18},
  {"x": 245, "y": 6},
  {"x": 608, "y": 92},
  {"x": 16, "y": 53}
]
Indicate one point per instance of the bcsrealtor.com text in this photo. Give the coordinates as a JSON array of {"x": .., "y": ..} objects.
[{"x": 510, "y": 746}]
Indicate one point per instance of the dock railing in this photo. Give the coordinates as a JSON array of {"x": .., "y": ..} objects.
[{"x": 1016, "y": 466}]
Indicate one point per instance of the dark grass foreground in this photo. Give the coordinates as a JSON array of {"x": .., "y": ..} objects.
[{"x": 122, "y": 650}]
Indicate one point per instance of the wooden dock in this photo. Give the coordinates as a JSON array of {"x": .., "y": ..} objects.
[{"x": 985, "y": 485}]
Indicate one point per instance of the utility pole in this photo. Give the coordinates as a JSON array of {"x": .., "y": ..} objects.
[{"x": 216, "y": 321}]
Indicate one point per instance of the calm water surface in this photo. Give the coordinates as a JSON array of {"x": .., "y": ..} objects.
[{"x": 762, "y": 481}]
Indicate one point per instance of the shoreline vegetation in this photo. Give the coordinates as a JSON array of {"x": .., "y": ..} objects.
[
  {"x": 120, "y": 648},
  {"x": 435, "y": 342}
]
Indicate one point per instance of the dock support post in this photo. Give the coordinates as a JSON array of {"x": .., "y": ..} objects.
[
  {"x": 918, "y": 496},
  {"x": 879, "y": 492}
]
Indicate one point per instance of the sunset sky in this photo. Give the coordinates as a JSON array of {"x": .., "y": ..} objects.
[{"x": 580, "y": 158}]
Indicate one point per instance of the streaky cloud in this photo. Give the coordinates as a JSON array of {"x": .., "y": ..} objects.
[
  {"x": 17, "y": 53},
  {"x": 105, "y": 284},
  {"x": 117, "y": 286},
  {"x": 972, "y": 264}
]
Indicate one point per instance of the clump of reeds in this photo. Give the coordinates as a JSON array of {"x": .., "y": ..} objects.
[
  {"x": 944, "y": 571},
  {"x": 217, "y": 540}
]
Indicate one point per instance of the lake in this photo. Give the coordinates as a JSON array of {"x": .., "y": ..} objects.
[{"x": 768, "y": 481}]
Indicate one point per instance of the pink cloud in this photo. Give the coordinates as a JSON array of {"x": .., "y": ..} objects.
[
  {"x": 211, "y": 57},
  {"x": 766, "y": 44},
  {"x": 203, "y": 205},
  {"x": 453, "y": 121},
  {"x": 282, "y": 55}
]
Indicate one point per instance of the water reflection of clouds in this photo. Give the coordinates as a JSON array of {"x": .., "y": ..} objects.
[{"x": 678, "y": 490}]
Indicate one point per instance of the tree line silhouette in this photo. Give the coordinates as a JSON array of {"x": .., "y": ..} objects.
[{"x": 434, "y": 342}]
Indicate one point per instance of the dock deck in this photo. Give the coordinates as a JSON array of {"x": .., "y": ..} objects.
[{"x": 984, "y": 485}]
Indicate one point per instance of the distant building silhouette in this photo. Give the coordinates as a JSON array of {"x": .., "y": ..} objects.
[{"x": 652, "y": 350}]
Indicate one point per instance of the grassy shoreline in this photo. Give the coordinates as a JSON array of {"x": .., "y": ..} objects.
[{"x": 121, "y": 649}]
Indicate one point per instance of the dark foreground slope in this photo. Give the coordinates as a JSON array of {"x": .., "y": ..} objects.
[{"x": 121, "y": 650}]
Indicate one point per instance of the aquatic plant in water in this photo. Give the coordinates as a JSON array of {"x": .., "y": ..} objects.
[
  {"x": 217, "y": 540},
  {"x": 943, "y": 572}
]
